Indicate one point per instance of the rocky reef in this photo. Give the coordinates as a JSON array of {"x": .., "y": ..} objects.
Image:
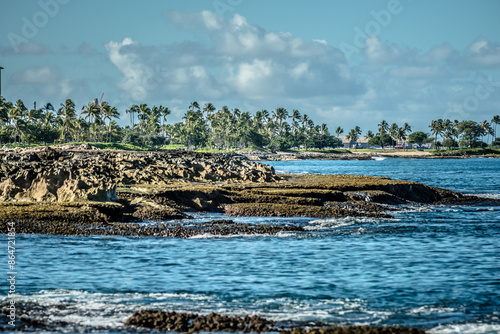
[
  {"x": 88, "y": 191},
  {"x": 194, "y": 323}
]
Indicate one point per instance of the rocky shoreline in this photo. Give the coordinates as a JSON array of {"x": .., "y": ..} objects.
[
  {"x": 86, "y": 191},
  {"x": 354, "y": 155},
  {"x": 83, "y": 191}
]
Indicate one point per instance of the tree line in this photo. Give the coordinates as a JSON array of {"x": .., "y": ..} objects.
[{"x": 207, "y": 127}]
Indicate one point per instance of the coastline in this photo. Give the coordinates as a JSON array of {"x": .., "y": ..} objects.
[
  {"x": 128, "y": 188},
  {"x": 50, "y": 190},
  {"x": 354, "y": 155}
]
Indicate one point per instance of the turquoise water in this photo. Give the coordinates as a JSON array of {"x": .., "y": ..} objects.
[{"x": 432, "y": 267}]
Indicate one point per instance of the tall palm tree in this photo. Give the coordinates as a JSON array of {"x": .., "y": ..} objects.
[
  {"x": 281, "y": 114},
  {"x": 48, "y": 119},
  {"x": 15, "y": 118},
  {"x": 304, "y": 121},
  {"x": 144, "y": 111},
  {"x": 92, "y": 111},
  {"x": 353, "y": 136},
  {"x": 295, "y": 124},
  {"x": 209, "y": 109},
  {"x": 495, "y": 120},
  {"x": 383, "y": 127},
  {"x": 108, "y": 113},
  {"x": 401, "y": 136},
  {"x": 164, "y": 113},
  {"x": 67, "y": 114},
  {"x": 485, "y": 128},
  {"x": 437, "y": 128},
  {"x": 194, "y": 105},
  {"x": 393, "y": 132},
  {"x": 339, "y": 131}
]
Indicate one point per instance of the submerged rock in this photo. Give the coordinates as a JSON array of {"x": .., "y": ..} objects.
[{"x": 194, "y": 323}]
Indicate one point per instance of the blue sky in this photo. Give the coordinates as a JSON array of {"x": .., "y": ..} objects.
[{"x": 343, "y": 63}]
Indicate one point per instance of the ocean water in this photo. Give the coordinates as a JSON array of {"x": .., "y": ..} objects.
[{"x": 432, "y": 267}]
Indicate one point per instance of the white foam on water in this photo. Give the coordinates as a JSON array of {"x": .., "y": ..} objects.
[
  {"x": 110, "y": 311},
  {"x": 100, "y": 310},
  {"x": 470, "y": 328},
  {"x": 486, "y": 195},
  {"x": 283, "y": 234},
  {"x": 409, "y": 208},
  {"x": 329, "y": 223},
  {"x": 428, "y": 310}
]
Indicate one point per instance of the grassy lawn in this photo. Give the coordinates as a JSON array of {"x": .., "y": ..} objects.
[
  {"x": 332, "y": 151},
  {"x": 470, "y": 151}
]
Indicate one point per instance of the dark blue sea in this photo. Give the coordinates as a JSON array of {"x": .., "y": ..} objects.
[{"x": 432, "y": 267}]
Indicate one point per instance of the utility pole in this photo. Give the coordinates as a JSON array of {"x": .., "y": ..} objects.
[{"x": 1, "y": 68}]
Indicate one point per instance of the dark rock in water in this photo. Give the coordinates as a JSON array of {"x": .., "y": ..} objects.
[{"x": 193, "y": 323}]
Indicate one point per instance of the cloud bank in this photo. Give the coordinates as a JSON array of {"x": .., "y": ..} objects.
[{"x": 235, "y": 60}]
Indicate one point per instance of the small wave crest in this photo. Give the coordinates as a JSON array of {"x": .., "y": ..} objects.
[
  {"x": 283, "y": 234},
  {"x": 486, "y": 195},
  {"x": 333, "y": 223}
]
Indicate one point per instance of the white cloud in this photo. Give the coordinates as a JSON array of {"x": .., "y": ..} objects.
[
  {"x": 236, "y": 60},
  {"x": 482, "y": 54},
  {"x": 27, "y": 48},
  {"x": 37, "y": 75},
  {"x": 47, "y": 83}
]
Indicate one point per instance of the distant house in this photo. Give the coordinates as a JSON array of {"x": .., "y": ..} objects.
[{"x": 362, "y": 142}]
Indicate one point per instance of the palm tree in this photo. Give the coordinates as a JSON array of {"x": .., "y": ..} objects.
[
  {"x": 281, "y": 114},
  {"x": 401, "y": 136},
  {"x": 194, "y": 105},
  {"x": 383, "y": 127},
  {"x": 164, "y": 111},
  {"x": 295, "y": 124},
  {"x": 339, "y": 131},
  {"x": 67, "y": 114},
  {"x": 108, "y": 113},
  {"x": 15, "y": 118},
  {"x": 485, "y": 128},
  {"x": 33, "y": 114},
  {"x": 144, "y": 112},
  {"x": 305, "y": 120},
  {"x": 131, "y": 111},
  {"x": 353, "y": 136},
  {"x": 437, "y": 128},
  {"x": 495, "y": 120},
  {"x": 92, "y": 111},
  {"x": 48, "y": 119},
  {"x": 393, "y": 131},
  {"x": 209, "y": 109}
]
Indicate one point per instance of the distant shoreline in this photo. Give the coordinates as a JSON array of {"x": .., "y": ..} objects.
[{"x": 354, "y": 155}]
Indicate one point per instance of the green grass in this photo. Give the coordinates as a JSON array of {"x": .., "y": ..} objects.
[
  {"x": 470, "y": 151},
  {"x": 332, "y": 151}
]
